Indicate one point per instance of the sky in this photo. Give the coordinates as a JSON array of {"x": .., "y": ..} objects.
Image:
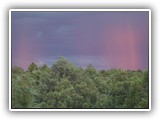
[{"x": 103, "y": 39}]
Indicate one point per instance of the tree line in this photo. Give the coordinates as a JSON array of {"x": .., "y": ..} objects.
[{"x": 64, "y": 85}]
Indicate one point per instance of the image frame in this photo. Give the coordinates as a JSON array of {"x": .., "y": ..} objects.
[{"x": 68, "y": 109}]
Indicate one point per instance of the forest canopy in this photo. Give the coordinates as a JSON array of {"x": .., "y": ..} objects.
[{"x": 64, "y": 85}]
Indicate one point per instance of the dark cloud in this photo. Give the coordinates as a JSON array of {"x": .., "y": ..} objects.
[{"x": 38, "y": 35}]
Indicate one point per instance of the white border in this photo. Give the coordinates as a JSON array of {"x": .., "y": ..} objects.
[
  {"x": 10, "y": 60},
  {"x": 79, "y": 10},
  {"x": 150, "y": 59}
]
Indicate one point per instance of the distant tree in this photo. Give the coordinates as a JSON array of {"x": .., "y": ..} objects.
[
  {"x": 61, "y": 67},
  {"x": 90, "y": 71},
  {"x": 17, "y": 70},
  {"x": 32, "y": 67},
  {"x": 22, "y": 92},
  {"x": 64, "y": 85}
]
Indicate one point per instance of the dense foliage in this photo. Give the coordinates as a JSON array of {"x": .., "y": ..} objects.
[{"x": 66, "y": 86}]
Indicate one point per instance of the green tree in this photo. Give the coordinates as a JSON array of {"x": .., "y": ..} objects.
[
  {"x": 64, "y": 85},
  {"x": 32, "y": 67},
  {"x": 21, "y": 92}
]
